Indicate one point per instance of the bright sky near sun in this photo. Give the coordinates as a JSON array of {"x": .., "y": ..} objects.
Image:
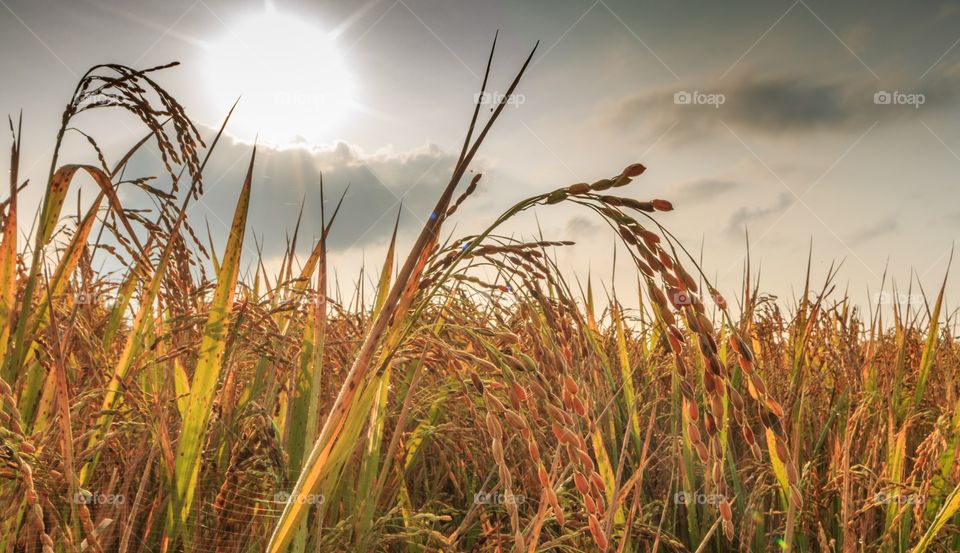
[
  {"x": 795, "y": 120},
  {"x": 293, "y": 80}
]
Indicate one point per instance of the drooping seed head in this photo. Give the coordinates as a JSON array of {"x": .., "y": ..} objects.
[
  {"x": 596, "y": 480},
  {"x": 543, "y": 477},
  {"x": 602, "y": 184},
  {"x": 515, "y": 419},
  {"x": 533, "y": 450},
  {"x": 497, "y": 448},
  {"x": 702, "y": 452},
  {"x": 556, "y": 197},
  {"x": 585, "y": 459},
  {"x": 782, "y": 452},
  {"x": 519, "y": 391},
  {"x": 597, "y": 533},
  {"x": 662, "y": 205},
  {"x": 493, "y": 426},
  {"x": 477, "y": 383},
  {"x": 589, "y": 504},
  {"x": 581, "y": 482},
  {"x": 579, "y": 407},
  {"x": 646, "y": 207}
]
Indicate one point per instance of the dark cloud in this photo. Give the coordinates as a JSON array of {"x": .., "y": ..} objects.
[
  {"x": 380, "y": 185},
  {"x": 777, "y": 104}
]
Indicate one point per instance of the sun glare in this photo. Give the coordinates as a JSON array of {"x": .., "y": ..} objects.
[{"x": 291, "y": 79}]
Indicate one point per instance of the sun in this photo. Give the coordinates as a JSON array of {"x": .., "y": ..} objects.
[{"x": 292, "y": 80}]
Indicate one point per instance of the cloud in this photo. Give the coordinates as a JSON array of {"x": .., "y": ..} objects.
[
  {"x": 381, "y": 185},
  {"x": 581, "y": 226},
  {"x": 774, "y": 105},
  {"x": 857, "y": 36},
  {"x": 882, "y": 227},
  {"x": 946, "y": 10},
  {"x": 700, "y": 190},
  {"x": 743, "y": 216}
]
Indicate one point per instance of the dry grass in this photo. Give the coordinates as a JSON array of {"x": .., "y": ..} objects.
[{"x": 182, "y": 408}]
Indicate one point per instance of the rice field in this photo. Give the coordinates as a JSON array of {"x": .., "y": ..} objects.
[{"x": 194, "y": 405}]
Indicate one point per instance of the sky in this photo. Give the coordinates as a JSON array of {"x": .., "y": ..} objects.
[{"x": 798, "y": 123}]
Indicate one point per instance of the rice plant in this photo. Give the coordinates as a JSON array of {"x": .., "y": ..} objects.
[{"x": 187, "y": 407}]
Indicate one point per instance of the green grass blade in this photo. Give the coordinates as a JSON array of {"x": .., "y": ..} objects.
[{"x": 208, "y": 367}]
